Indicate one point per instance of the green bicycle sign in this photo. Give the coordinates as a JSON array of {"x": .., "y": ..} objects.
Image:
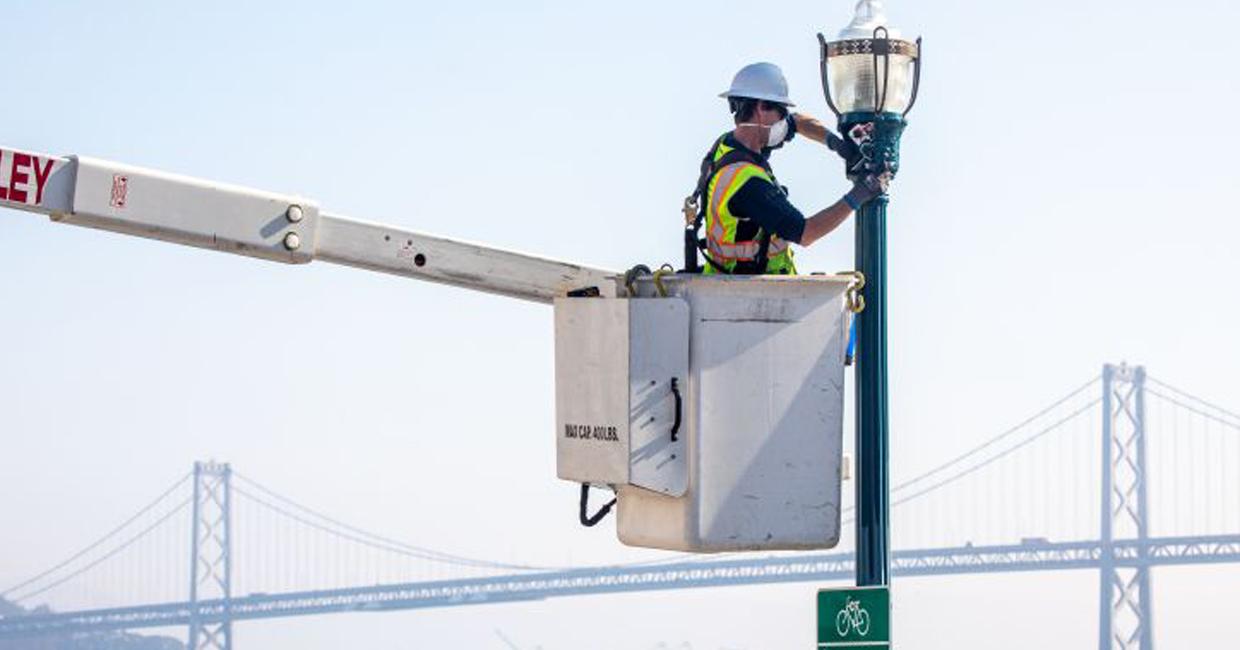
[{"x": 854, "y": 617}]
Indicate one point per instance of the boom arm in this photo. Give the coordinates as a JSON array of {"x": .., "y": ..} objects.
[{"x": 281, "y": 228}]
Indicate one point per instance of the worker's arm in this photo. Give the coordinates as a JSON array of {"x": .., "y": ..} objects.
[
  {"x": 764, "y": 203},
  {"x": 864, "y": 190},
  {"x": 821, "y": 224},
  {"x": 811, "y": 128}
]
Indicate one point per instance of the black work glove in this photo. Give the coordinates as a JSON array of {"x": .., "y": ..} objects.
[
  {"x": 866, "y": 189},
  {"x": 846, "y": 150}
]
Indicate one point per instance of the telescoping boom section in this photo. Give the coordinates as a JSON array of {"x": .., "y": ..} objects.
[{"x": 282, "y": 228}]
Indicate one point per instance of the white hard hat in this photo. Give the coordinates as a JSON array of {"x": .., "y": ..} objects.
[{"x": 763, "y": 81}]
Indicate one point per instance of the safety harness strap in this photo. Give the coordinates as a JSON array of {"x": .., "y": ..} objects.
[{"x": 694, "y": 243}]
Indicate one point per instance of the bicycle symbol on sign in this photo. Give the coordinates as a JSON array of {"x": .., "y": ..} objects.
[{"x": 852, "y": 617}]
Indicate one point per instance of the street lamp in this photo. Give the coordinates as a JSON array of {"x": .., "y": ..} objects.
[{"x": 870, "y": 78}]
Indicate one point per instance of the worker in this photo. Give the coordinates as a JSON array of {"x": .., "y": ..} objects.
[{"x": 749, "y": 220}]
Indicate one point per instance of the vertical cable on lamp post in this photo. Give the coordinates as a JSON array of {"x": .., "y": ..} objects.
[{"x": 870, "y": 79}]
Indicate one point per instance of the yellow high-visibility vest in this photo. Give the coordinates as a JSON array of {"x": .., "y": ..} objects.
[{"x": 721, "y": 224}]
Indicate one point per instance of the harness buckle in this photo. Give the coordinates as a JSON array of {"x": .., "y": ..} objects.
[{"x": 690, "y": 209}]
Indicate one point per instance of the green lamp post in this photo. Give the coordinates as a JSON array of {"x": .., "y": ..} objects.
[{"x": 870, "y": 78}]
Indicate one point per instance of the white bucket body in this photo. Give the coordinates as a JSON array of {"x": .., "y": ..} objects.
[{"x": 762, "y": 415}]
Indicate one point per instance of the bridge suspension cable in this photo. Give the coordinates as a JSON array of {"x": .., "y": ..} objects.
[
  {"x": 31, "y": 593},
  {"x": 1003, "y": 436},
  {"x": 1202, "y": 407},
  {"x": 989, "y": 444},
  {"x": 94, "y": 545},
  {"x": 110, "y": 554},
  {"x": 332, "y": 526},
  {"x": 1023, "y": 443}
]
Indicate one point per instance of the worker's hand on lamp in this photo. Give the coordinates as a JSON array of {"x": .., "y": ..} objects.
[
  {"x": 847, "y": 151},
  {"x": 867, "y": 188}
]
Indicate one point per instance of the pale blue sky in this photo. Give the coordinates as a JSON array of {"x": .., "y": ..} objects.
[{"x": 1068, "y": 198}]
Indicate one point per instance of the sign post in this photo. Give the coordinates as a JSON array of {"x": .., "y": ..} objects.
[{"x": 854, "y": 617}]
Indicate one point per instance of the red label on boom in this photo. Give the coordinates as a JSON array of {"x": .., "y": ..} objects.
[{"x": 24, "y": 176}]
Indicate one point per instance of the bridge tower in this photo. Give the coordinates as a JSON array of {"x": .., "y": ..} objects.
[
  {"x": 1125, "y": 620},
  {"x": 211, "y": 559}
]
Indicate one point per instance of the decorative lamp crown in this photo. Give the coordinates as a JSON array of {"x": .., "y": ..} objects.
[{"x": 869, "y": 69}]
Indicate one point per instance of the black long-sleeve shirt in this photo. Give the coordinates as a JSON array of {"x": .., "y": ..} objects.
[{"x": 761, "y": 204}]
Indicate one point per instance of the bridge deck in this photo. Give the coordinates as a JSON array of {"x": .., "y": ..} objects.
[{"x": 684, "y": 575}]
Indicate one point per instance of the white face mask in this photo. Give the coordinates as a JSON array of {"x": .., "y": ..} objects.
[{"x": 777, "y": 133}]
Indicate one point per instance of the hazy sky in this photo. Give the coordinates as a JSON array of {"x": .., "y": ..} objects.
[{"x": 1067, "y": 198}]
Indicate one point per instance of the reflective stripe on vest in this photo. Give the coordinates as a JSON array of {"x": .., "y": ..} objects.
[
  {"x": 718, "y": 238},
  {"x": 722, "y": 224}
]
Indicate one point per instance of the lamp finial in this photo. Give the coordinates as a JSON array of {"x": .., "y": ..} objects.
[{"x": 868, "y": 15}]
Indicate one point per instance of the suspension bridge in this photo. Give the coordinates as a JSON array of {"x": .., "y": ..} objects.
[{"x": 1122, "y": 474}]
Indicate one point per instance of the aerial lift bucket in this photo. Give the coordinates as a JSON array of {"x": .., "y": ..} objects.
[{"x": 712, "y": 405}]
